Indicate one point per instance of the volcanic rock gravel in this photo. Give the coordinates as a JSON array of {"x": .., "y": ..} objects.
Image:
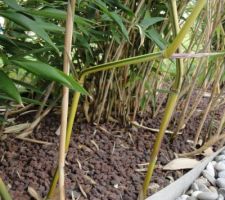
[{"x": 102, "y": 164}]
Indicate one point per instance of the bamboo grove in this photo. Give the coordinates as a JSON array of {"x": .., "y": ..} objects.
[{"x": 131, "y": 57}]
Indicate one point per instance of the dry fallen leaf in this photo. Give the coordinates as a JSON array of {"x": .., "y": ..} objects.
[
  {"x": 208, "y": 152},
  {"x": 82, "y": 190},
  {"x": 58, "y": 131},
  {"x": 207, "y": 94},
  {"x": 34, "y": 193},
  {"x": 181, "y": 163},
  {"x": 16, "y": 128}
]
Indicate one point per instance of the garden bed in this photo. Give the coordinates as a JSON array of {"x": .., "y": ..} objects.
[{"x": 104, "y": 164}]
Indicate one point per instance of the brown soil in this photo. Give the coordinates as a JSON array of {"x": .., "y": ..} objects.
[{"x": 103, "y": 163}]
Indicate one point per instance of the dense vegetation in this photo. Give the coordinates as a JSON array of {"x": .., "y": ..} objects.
[{"x": 142, "y": 37}]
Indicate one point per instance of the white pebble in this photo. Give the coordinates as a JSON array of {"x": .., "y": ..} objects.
[
  {"x": 208, "y": 196},
  {"x": 196, "y": 193},
  {"x": 210, "y": 169},
  {"x": 221, "y": 174},
  {"x": 220, "y": 158},
  {"x": 220, "y": 166},
  {"x": 220, "y": 182}
]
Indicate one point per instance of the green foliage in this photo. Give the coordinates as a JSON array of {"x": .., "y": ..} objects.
[
  {"x": 105, "y": 30},
  {"x": 29, "y": 23},
  {"x": 8, "y": 87},
  {"x": 50, "y": 73}
]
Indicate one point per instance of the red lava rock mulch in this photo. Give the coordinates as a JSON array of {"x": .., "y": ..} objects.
[{"x": 101, "y": 163}]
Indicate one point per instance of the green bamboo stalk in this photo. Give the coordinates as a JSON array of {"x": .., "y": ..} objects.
[
  {"x": 4, "y": 194},
  {"x": 122, "y": 63},
  {"x": 188, "y": 24},
  {"x": 153, "y": 159},
  {"x": 113, "y": 65},
  {"x": 75, "y": 101},
  {"x": 176, "y": 87},
  {"x": 76, "y": 97}
]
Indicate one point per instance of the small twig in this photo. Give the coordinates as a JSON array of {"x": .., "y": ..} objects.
[
  {"x": 27, "y": 112},
  {"x": 19, "y": 110},
  {"x": 150, "y": 129},
  {"x": 141, "y": 170},
  {"x": 113, "y": 149},
  {"x": 95, "y": 144},
  {"x": 30, "y": 129},
  {"x": 34, "y": 141},
  {"x": 79, "y": 164},
  {"x": 16, "y": 128},
  {"x": 82, "y": 190},
  {"x": 47, "y": 94},
  {"x": 211, "y": 142},
  {"x": 102, "y": 128}
]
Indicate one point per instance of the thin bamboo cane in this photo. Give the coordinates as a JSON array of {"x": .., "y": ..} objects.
[
  {"x": 177, "y": 41},
  {"x": 208, "y": 31},
  {"x": 128, "y": 61},
  {"x": 168, "y": 111},
  {"x": 65, "y": 98},
  {"x": 217, "y": 78},
  {"x": 76, "y": 98},
  {"x": 173, "y": 96},
  {"x": 86, "y": 72}
]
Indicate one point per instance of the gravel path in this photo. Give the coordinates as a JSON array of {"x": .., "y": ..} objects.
[{"x": 211, "y": 184}]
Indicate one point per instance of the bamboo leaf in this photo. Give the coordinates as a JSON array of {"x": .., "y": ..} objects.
[
  {"x": 13, "y": 4},
  {"x": 142, "y": 34},
  {"x": 33, "y": 101},
  {"x": 34, "y": 193},
  {"x": 28, "y": 86},
  {"x": 8, "y": 87},
  {"x": 6, "y": 40},
  {"x": 149, "y": 21},
  {"x": 120, "y": 5},
  {"x": 29, "y": 24},
  {"x": 114, "y": 16},
  {"x": 181, "y": 163},
  {"x": 119, "y": 21},
  {"x": 60, "y": 14},
  {"x": 4, "y": 192},
  {"x": 48, "y": 72},
  {"x": 50, "y": 12},
  {"x": 49, "y": 26},
  {"x": 16, "y": 128},
  {"x": 156, "y": 37},
  {"x": 24, "y": 99}
]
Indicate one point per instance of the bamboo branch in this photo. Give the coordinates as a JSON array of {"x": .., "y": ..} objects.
[{"x": 208, "y": 144}]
